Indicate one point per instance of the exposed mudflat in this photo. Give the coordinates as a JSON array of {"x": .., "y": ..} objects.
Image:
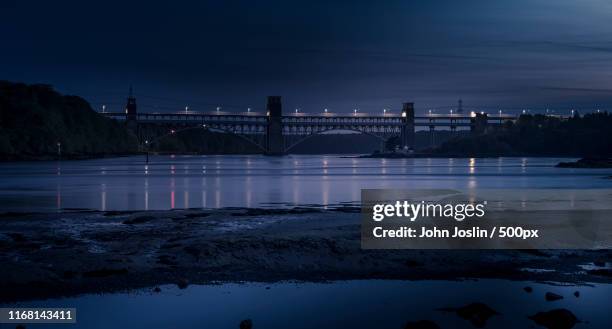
[{"x": 69, "y": 253}]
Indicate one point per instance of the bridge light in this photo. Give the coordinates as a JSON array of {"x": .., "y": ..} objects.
[
  {"x": 218, "y": 108},
  {"x": 172, "y": 131},
  {"x": 451, "y": 111},
  {"x": 103, "y": 108},
  {"x": 248, "y": 109},
  {"x": 296, "y": 110},
  {"x": 186, "y": 109},
  {"x": 429, "y": 112},
  {"x": 472, "y": 114},
  {"x": 384, "y": 111},
  {"x": 355, "y": 111},
  {"x": 523, "y": 111},
  {"x": 403, "y": 114},
  {"x": 325, "y": 110},
  {"x": 482, "y": 112}
]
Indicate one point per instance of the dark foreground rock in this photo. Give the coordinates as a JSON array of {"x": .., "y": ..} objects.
[
  {"x": 551, "y": 296},
  {"x": 555, "y": 319},
  {"x": 477, "y": 313},
  {"x": 246, "y": 324}
]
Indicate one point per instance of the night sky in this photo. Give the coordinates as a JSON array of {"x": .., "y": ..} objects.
[{"x": 341, "y": 55}]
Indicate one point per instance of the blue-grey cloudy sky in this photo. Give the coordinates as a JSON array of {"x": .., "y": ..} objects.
[{"x": 336, "y": 54}]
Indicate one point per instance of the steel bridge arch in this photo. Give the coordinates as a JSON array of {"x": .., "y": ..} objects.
[{"x": 306, "y": 137}]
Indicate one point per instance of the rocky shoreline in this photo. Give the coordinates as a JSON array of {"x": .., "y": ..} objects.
[{"x": 76, "y": 252}]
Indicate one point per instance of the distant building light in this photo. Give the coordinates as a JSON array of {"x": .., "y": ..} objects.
[{"x": 472, "y": 114}]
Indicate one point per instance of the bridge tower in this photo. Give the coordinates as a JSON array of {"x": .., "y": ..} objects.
[
  {"x": 478, "y": 123},
  {"x": 130, "y": 111},
  {"x": 275, "y": 144},
  {"x": 407, "y": 130}
]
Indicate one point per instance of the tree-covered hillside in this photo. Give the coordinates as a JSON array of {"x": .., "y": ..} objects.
[
  {"x": 539, "y": 135},
  {"x": 34, "y": 118}
]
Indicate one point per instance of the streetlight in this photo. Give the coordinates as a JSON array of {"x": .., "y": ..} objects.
[
  {"x": 103, "y": 108},
  {"x": 186, "y": 109},
  {"x": 325, "y": 110},
  {"x": 248, "y": 109},
  {"x": 355, "y": 111},
  {"x": 147, "y": 150},
  {"x": 218, "y": 108},
  {"x": 384, "y": 111},
  {"x": 296, "y": 110}
]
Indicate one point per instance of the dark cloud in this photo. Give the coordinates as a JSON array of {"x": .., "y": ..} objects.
[{"x": 335, "y": 54}]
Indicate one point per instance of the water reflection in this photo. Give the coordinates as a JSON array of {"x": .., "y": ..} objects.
[{"x": 128, "y": 183}]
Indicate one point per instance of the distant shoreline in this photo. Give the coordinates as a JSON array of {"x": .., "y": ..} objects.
[{"x": 79, "y": 157}]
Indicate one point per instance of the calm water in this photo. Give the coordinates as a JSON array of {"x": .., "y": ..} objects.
[
  {"x": 218, "y": 181},
  {"x": 351, "y": 304}
]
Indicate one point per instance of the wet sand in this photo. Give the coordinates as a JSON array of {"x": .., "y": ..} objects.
[{"x": 76, "y": 252}]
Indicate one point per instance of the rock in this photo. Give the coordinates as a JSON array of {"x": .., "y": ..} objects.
[
  {"x": 555, "y": 319},
  {"x": 17, "y": 237},
  {"x": 476, "y": 313},
  {"x": 104, "y": 272},
  {"x": 157, "y": 289},
  {"x": 551, "y": 296},
  {"x": 423, "y": 324},
  {"x": 182, "y": 283},
  {"x": 528, "y": 289},
  {"x": 587, "y": 163},
  {"x": 577, "y": 293},
  {"x": 246, "y": 324},
  {"x": 138, "y": 219},
  {"x": 193, "y": 251},
  {"x": 601, "y": 272},
  {"x": 412, "y": 263}
]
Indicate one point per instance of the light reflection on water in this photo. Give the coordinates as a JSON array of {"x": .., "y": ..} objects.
[{"x": 169, "y": 182}]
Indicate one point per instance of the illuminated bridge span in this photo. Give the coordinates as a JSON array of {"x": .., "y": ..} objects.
[{"x": 275, "y": 133}]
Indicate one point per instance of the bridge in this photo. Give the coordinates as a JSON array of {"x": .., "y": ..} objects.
[{"x": 277, "y": 133}]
